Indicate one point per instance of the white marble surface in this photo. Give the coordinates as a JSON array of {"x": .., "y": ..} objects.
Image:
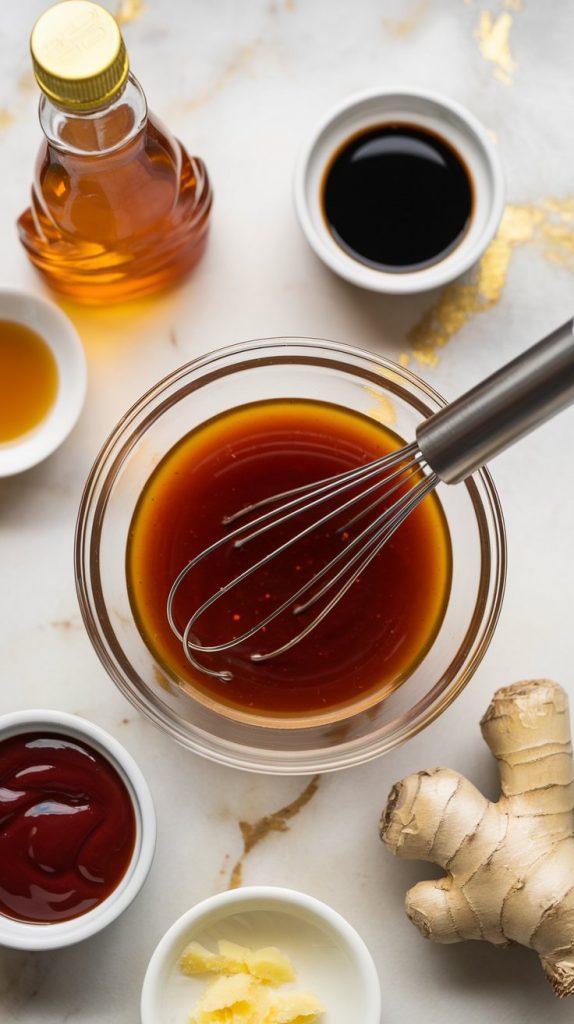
[{"x": 241, "y": 82}]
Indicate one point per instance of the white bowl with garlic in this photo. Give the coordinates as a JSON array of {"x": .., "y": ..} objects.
[{"x": 274, "y": 953}]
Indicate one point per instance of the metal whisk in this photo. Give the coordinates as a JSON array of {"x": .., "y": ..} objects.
[{"x": 450, "y": 445}]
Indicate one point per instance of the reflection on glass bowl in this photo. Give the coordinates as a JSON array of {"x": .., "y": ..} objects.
[{"x": 279, "y": 369}]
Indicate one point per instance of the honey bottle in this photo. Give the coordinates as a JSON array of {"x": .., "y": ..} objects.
[{"x": 119, "y": 209}]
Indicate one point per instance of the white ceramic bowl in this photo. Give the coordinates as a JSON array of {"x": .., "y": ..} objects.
[
  {"x": 30, "y": 936},
  {"x": 329, "y": 957},
  {"x": 430, "y": 110},
  {"x": 61, "y": 336}
]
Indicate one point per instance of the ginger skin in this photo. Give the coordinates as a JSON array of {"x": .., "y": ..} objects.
[{"x": 509, "y": 865}]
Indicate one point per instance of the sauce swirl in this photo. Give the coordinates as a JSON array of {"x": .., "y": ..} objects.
[{"x": 67, "y": 827}]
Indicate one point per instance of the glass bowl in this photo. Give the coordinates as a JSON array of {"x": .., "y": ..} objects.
[{"x": 280, "y": 368}]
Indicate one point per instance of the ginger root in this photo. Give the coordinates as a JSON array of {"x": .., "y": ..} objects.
[{"x": 510, "y": 864}]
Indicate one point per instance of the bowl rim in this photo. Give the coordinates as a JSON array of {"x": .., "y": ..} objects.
[
  {"x": 107, "y": 464},
  {"x": 28, "y": 935},
  {"x": 277, "y": 898},
  {"x": 463, "y": 256},
  {"x": 60, "y": 335}
]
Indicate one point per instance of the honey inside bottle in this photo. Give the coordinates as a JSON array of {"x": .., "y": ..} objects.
[{"x": 119, "y": 209}]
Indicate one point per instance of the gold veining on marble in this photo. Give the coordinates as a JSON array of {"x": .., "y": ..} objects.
[
  {"x": 557, "y": 231},
  {"x": 235, "y": 66},
  {"x": 493, "y": 40},
  {"x": 563, "y": 207},
  {"x": 548, "y": 224},
  {"x": 27, "y": 82},
  {"x": 128, "y": 11},
  {"x": 253, "y": 834},
  {"x": 409, "y": 24},
  {"x": 6, "y": 118},
  {"x": 383, "y": 410}
]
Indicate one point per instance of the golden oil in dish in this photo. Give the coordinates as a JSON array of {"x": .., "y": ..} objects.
[{"x": 28, "y": 380}]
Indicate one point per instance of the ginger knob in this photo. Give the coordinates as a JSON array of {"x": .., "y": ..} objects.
[{"x": 509, "y": 865}]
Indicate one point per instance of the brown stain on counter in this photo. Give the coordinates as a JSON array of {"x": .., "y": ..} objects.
[
  {"x": 255, "y": 833},
  {"x": 548, "y": 225},
  {"x": 65, "y": 625}
]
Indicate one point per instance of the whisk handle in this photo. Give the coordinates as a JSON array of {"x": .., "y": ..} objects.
[{"x": 520, "y": 396}]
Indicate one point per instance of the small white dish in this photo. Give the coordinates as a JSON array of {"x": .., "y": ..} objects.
[
  {"x": 429, "y": 110},
  {"x": 329, "y": 957},
  {"x": 30, "y": 936},
  {"x": 61, "y": 336}
]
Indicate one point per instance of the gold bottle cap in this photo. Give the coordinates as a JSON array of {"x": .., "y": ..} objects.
[{"x": 80, "y": 61}]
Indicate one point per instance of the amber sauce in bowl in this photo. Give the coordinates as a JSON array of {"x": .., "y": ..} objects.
[
  {"x": 236, "y": 425},
  {"x": 365, "y": 648}
]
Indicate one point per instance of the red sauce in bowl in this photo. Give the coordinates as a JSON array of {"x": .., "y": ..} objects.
[{"x": 67, "y": 827}]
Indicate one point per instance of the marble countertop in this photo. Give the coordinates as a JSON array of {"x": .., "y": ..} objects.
[{"x": 246, "y": 81}]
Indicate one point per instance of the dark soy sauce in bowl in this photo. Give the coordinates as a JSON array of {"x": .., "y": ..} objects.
[{"x": 397, "y": 197}]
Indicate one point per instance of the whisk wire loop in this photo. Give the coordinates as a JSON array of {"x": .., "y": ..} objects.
[
  {"x": 409, "y": 462},
  {"x": 391, "y": 523},
  {"x": 326, "y": 488},
  {"x": 383, "y": 526},
  {"x": 331, "y": 482}
]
